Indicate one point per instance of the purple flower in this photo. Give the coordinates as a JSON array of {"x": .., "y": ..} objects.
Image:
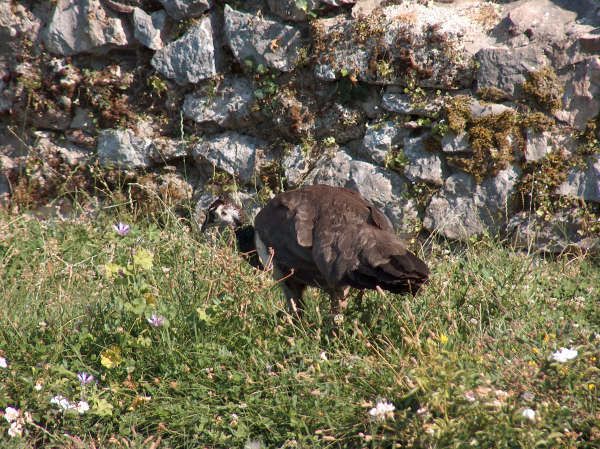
[
  {"x": 156, "y": 320},
  {"x": 85, "y": 378},
  {"x": 121, "y": 228}
]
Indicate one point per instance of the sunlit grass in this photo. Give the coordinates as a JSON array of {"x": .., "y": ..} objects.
[{"x": 191, "y": 347}]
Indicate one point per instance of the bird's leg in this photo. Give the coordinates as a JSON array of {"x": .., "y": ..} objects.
[
  {"x": 293, "y": 292},
  {"x": 339, "y": 300},
  {"x": 359, "y": 298}
]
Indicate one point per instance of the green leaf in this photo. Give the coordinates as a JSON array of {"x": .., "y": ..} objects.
[{"x": 102, "y": 407}]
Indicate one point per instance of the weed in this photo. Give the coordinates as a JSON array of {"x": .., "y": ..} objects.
[
  {"x": 545, "y": 89},
  {"x": 189, "y": 345}
]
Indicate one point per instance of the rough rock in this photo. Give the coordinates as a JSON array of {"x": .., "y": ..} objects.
[
  {"x": 423, "y": 165},
  {"x": 4, "y": 190},
  {"x": 582, "y": 94},
  {"x": 340, "y": 121},
  {"x": 433, "y": 42},
  {"x": 262, "y": 41},
  {"x": 380, "y": 139},
  {"x": 83, "y": 119},
  {"x": 562, "y": 233},
  {"x": 584, "y": 184},
  {"x": 504, "y": 70},
  {"x": 479, "y": 109},
  {"x": 84, "y": 26},
  {"x": 70, "y": 153},
  {"x": 384, "y": 188},
  {"x": 123, "y": 149},
  {"x": 229, "y": 105},
  {"x": 191, "y": 58},
  {"x": 364, "y": 8},
  {"x": 425, "y": 106},
  {"x": 463, "y": 208},
  {"x": 456, "y": 143},
  {"x": 183, "y": 9},
  {"x": 542, "y": 21},
  {"x": 537, "y": 145},
  {"x": 292, "y": 9},
  {"x": 166, "y": 150},
  {"x": 147, "y": 28},
  {"x": 297, "y": 165},
  {"x": 234, "y": 153}
]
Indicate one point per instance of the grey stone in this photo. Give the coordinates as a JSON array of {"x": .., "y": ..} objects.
[
  {"x": 533, "y": 21},
  {"x": 123, "y": 149},
  {"x": 336, "y": 3},
  {"x": 423, "y": 165},
  {"x": 234, "y": 153},
  {"x": 380, "y": 139},
  {"x": 229, "y": 105},
  {"x": 363, "y": 8},
  {"x": 147, "y": 28},
  {"x": 479, "y": 109},
  {"x": 563, "y": 232},
  {"x": 292, "y": 9},
  {"x": 262, "y": 41},
  {"x": 297, "y": 166},
  {"x": 191, "y": 58},
  {"x": 167, "y": 150},
  {"x": 71, "y": 154},
  {"x": 384, "y": 188},
  {"x": 325, "y": 72},
  {"x": 537, "y": 145},
  {"x": 456, "y": 143},
  {"x": 584, "y": 184},
  {"x": 84, "y": 26},
  {"x": 427, "y": 106},
  {"x": 435, "y": 41},
  {"x": 4, "y": 190},
  {"x": 506, "y": 69},
  {"x": 582, "y": 94},
  {"x": 182, "y": 9},
  {"x": 83, "y": 120},
  {"x": 340, "y": 121},
  {"x": 463, "y": 208}
]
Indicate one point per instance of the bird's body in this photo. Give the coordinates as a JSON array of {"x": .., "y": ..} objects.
[{"x": 332, "y": 238}]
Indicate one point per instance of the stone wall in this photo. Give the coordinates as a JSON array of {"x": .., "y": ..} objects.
[{"x": 456, "y": 117}]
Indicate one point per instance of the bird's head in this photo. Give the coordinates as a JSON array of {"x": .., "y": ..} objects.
[{"x": 223, "y": 213}]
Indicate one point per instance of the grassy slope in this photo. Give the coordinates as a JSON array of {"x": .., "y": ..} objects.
[{"x": 459, "y": 362}]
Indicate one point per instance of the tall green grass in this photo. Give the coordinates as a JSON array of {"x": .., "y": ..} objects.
[{"x": 229, "y": 368}]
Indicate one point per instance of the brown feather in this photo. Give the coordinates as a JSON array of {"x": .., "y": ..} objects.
[{"x": 333, "y": 238}]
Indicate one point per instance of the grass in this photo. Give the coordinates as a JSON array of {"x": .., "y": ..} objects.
[{"x": 228, "y": 368}]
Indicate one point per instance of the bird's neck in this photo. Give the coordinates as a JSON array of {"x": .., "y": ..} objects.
[{"x": 244, "y": 236}]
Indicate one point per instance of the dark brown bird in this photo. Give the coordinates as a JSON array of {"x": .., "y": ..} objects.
[{"x": 330, "y": 238}]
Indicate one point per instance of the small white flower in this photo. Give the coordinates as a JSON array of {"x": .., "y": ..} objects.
[
  {"x": 3, "y": 363},
  {"x": 61, "y": 401},
  {"x": 323, "y": 355},
  {"x": 564, "y": 355},
  {"x": 529, "y": 414},
  {"x": 15, "y": 430},
  {"x": 38, "y": 387},
  {"x": 82, "y": 407},
  {"x": 11, "y": 414},
  {"x": 382, "y": 410}
]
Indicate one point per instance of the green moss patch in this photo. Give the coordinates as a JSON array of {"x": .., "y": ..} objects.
[{"x": 545, "y": 89}]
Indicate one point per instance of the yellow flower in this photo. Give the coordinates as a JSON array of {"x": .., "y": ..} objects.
[
  {"x": 591, "y": 387},
  {"x": 111, "y": 269},
  {"x": 443, "y": 339},
  {"x": 535, "y": 350},
  {"x": 143, "y": 259},
  {"x": 111, "y": 357}
]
